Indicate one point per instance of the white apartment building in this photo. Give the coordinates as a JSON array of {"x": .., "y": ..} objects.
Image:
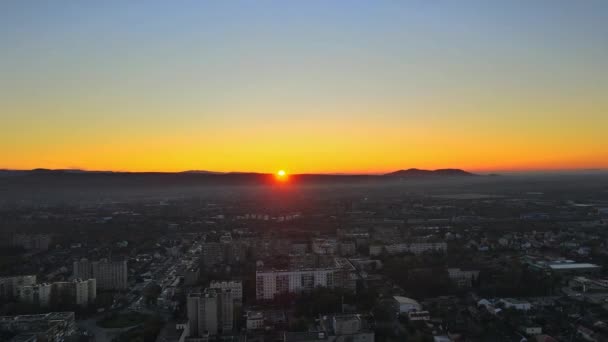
[
  {"x": 85, "y": 291},
  {"x": 270, "y": 283}
]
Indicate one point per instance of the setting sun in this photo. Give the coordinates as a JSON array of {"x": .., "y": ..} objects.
[{"x": 281, "y": 175}]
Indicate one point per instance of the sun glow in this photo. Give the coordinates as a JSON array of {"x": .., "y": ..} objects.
[{"x": 281, "y": 176}]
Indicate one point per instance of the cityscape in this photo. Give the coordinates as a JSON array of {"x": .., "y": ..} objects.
[
  {"x": 304, "y": 171},
  {"x": 456, "y": 257}
]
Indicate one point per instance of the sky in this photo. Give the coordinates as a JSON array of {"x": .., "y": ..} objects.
[{"x": 305, "y": 86}]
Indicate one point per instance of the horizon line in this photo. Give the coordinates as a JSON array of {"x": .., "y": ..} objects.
[{"x": 337, "y": 173}]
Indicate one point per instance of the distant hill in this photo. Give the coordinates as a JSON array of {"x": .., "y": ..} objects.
[
  {"x": 430, "y": 173},
  {"x": 69, "y": 177},
  {"x": 204, "y": 172}
]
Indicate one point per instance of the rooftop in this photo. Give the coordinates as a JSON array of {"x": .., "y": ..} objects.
[
  {"x": 255, "y": 315},
  {"x": 566, "y": 266},
  {"x": 405, "y": 300},
  {"x": 304, "y": 336}
]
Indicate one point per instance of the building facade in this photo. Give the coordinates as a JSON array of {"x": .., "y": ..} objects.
[
  {"x": 77, "y": 292},
  {"x": 235, "y": 287},
  {"x": 210, "y": 312},
  {"x": 9, "y": 285},
  {"x": 49, "y": 327},
  {"x": 109, "y": 275},
  {"x": 270, "y": 283}
]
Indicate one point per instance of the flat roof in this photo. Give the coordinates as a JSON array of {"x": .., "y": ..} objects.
[
  {"x": 405, "y": 300},
  {"x": 255, "y": 314},
  {"x": 566, "y": 266}
]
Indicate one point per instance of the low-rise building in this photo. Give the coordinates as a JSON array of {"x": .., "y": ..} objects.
[
  {"x": 517, "y": 304},
  {"x": 255, "y": 320},
  {"x": 335, "y": 328},
  {"x": 406, "y": 305},
  {"x": 563, "y": 267},
  {"x": 50, "y": 327}
]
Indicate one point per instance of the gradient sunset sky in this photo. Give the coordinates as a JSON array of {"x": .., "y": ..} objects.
[{"x": 305, "y": 86}]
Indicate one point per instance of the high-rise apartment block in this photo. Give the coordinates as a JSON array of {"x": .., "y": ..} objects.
[
  {"x": 38, "y": 242},
  {"x": 339, "y": 274},
  {"x": 210, "y": 312},
  {"x": 9, "y": 285},
  {"x": 77, "y": 292},
  {"x": 110, "y": 275}
]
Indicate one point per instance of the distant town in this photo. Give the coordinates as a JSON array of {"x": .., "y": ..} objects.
[{"x": 482, "y": 259}]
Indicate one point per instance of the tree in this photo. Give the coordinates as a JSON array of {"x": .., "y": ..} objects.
[{"x": 320, "y": 301}]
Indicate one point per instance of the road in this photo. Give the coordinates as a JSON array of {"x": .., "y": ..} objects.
[{"x": 165, "y": 276}]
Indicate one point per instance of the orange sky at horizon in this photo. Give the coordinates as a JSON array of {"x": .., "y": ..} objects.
[
  {"x": 338, "y": 144},
  {"x": 379, "y": 158}
]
